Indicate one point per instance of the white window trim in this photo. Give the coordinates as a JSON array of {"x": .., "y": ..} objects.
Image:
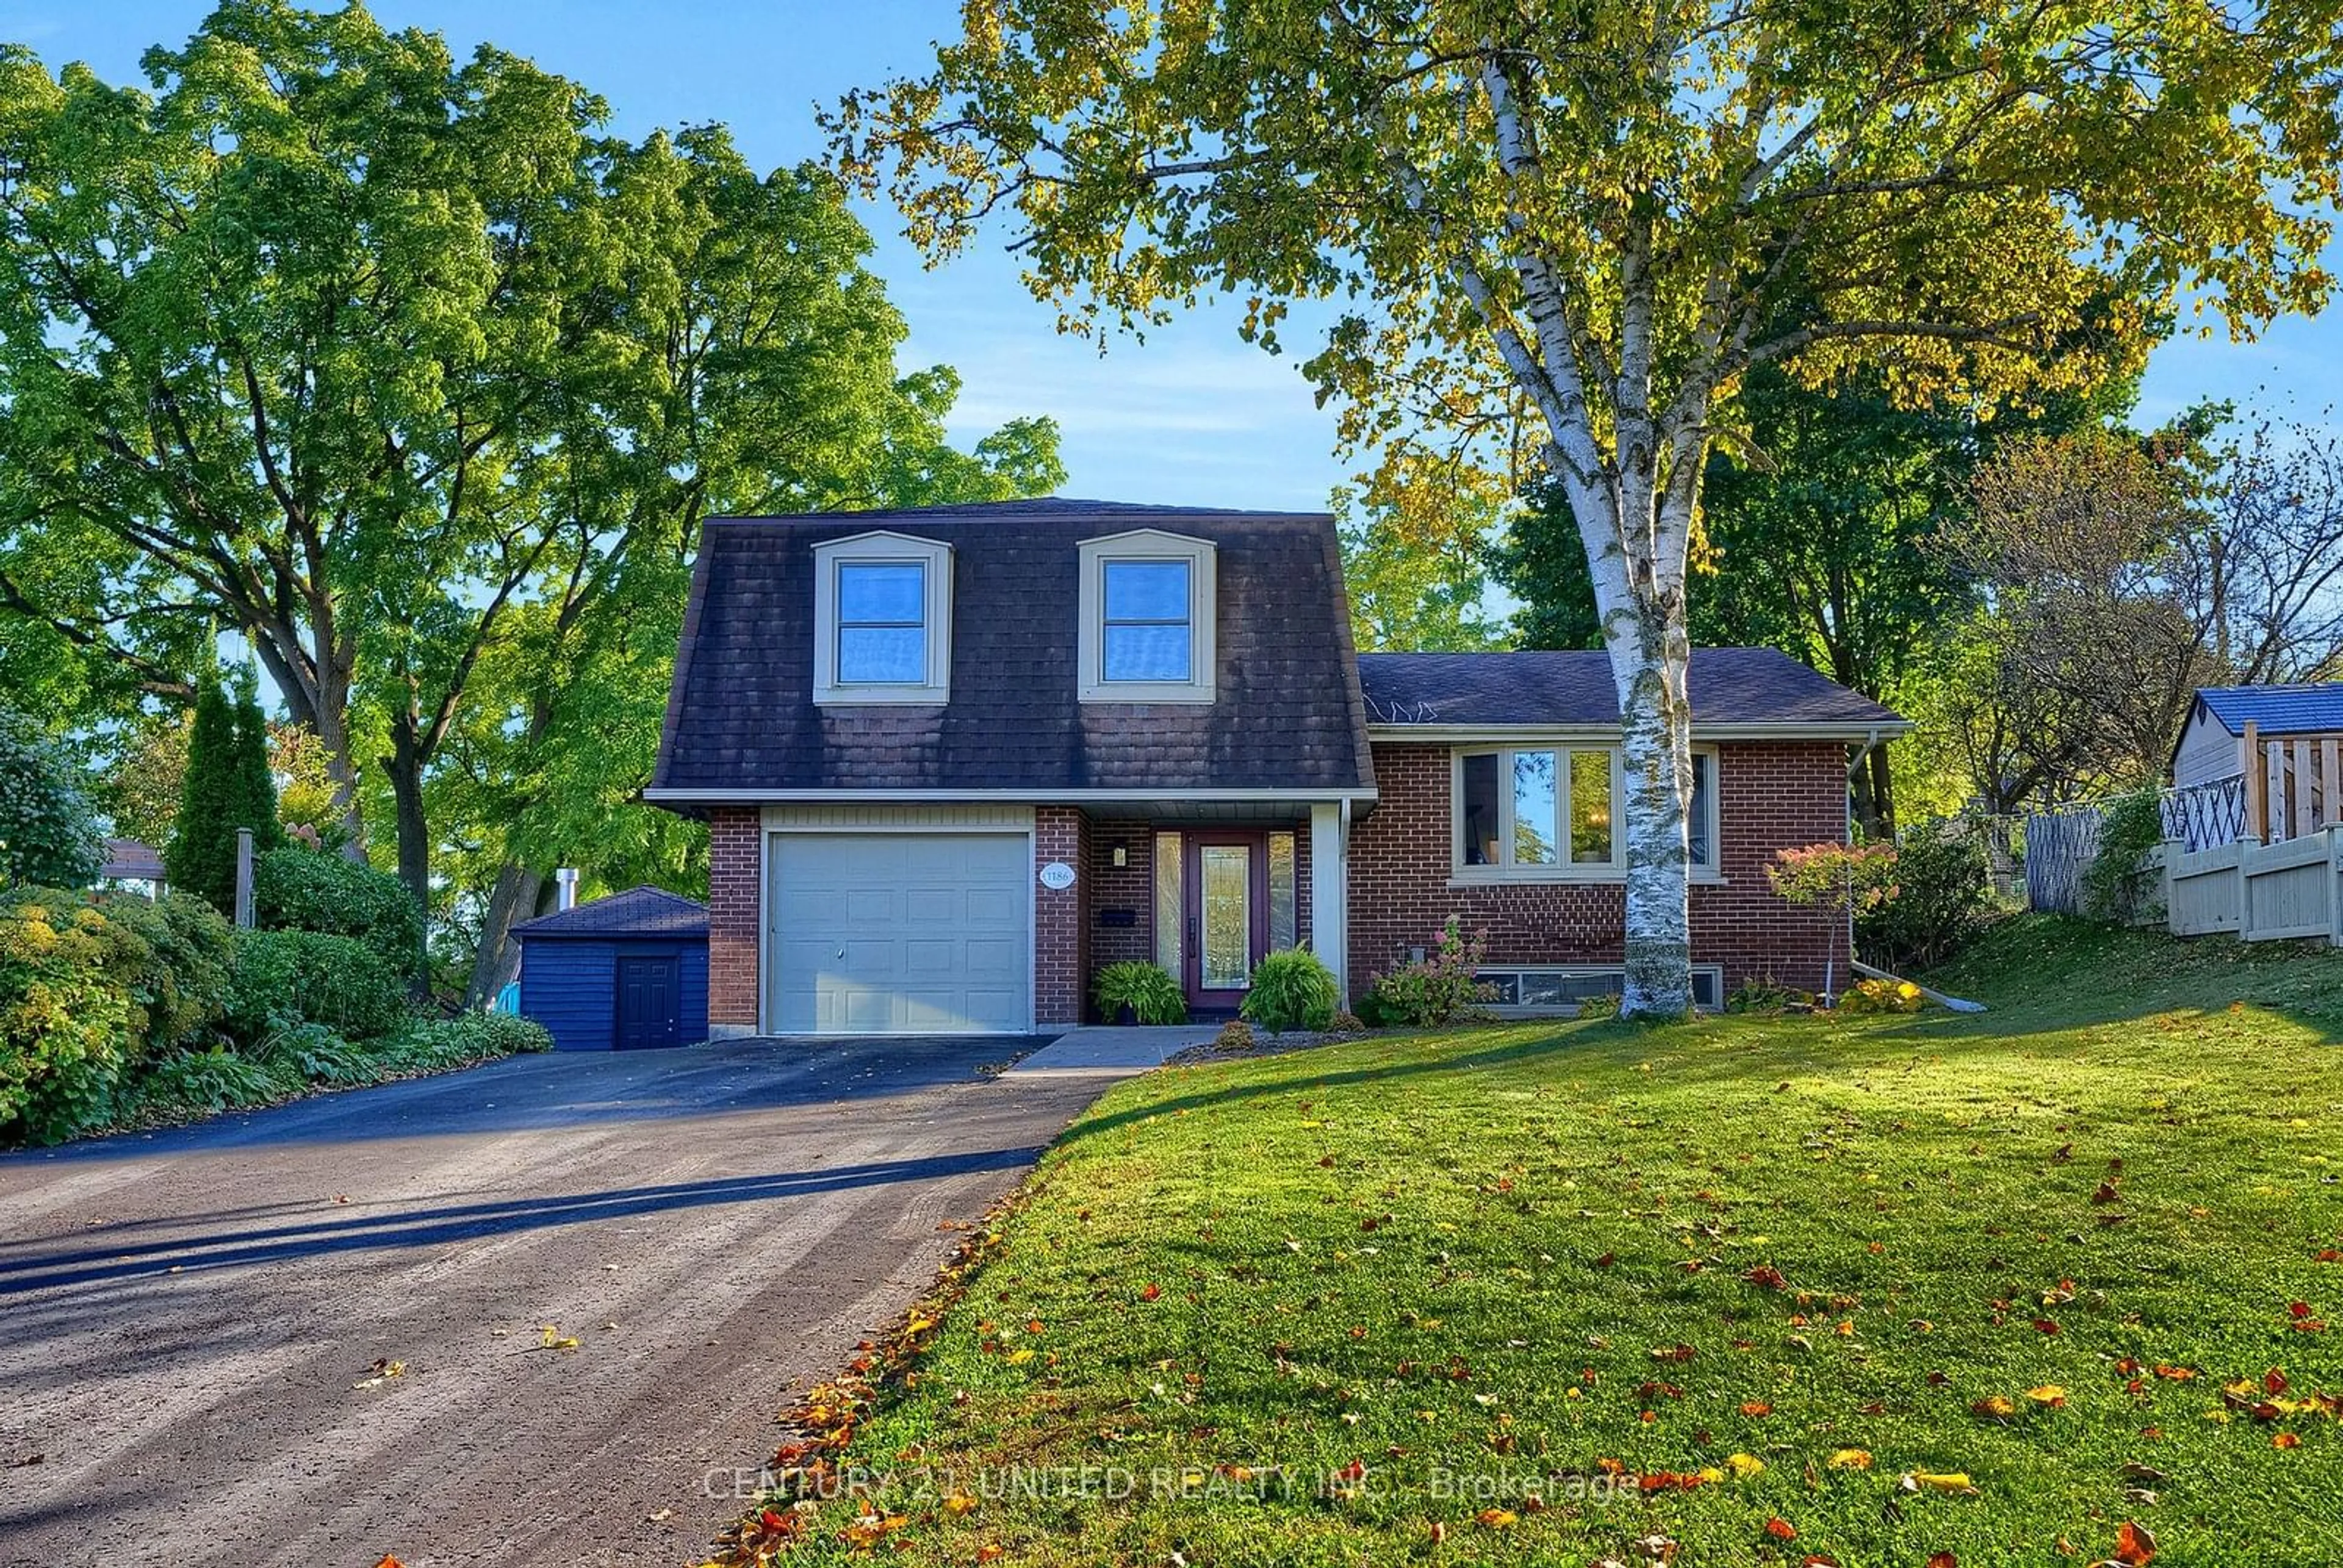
[
  {"x": 1612, "y": 870},
  {"x": 1148, "y": 545},
  {"x": 882, "y": 548}
]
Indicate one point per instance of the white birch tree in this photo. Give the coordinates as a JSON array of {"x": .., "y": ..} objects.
[{"x": 1589, "y": 219}]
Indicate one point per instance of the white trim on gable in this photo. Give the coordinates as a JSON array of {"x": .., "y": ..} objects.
[
  {"x": 882, "y": 546},
  {"x": 1201, "y": 558}
]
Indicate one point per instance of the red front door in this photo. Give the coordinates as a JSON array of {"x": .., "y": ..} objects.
[{"x": 1227, "y": 881}]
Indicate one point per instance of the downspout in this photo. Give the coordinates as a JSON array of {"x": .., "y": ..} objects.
[{"x": 1342, "y": 880}]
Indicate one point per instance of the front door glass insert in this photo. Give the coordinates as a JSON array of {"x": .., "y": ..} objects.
[{"x": 1226, "y": 949}]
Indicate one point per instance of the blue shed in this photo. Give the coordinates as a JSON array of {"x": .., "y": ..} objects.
[{"x": 620, "y": 973}]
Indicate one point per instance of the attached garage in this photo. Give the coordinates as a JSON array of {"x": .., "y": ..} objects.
[{"x": 898, "y": 932}]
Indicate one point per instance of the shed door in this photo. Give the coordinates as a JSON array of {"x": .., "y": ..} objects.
[
  {"x": 650, "y": 1002},
  {"x": 900, "y": 933}
]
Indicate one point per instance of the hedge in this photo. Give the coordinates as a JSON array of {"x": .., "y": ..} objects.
[
  {"x": 285, "y": 979},
  {"x": 308, "y": 891}
]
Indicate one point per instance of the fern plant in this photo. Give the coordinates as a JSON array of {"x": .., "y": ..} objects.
[
  {"x": 1291, "y": 989},
  {"x": 1147, "y": 990}
]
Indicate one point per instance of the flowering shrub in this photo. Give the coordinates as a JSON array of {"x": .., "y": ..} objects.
[
  {"x": 1439, "y": 989},
  {"x": 1858, "y": 878}
]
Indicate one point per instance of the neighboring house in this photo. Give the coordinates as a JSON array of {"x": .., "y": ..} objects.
[
  {"x": 954, "y": 759},
  {"x": 620, "y": 973},
  {"x": 2260, "y": 761}
]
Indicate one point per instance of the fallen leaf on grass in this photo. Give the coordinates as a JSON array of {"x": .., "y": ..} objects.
[
  {"x": 2050, "y": 1394},
  {"x": 1850, "y": 1459},
  {"x": 1780, "y": 1528},
  {"x": 1943, "y": 1560},
  {"x": 1497, "y": 1518},
  {"x": 2286, "y": 1439},
  {"x": 1995, "y": 1407},
  {"x": 958, "y": 1504},
  {"x": 1954, "y": 1481},
  {"x": 1755, "y": 1408},
  {"x": 2135, "y": 1547},
  {"x": 1745, "y": 1465}
]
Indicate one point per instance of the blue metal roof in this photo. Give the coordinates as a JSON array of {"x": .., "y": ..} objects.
[{"x": 2310, "y": 709}]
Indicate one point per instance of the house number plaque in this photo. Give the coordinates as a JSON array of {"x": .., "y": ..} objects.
[{"x": 1057, "y": 876}]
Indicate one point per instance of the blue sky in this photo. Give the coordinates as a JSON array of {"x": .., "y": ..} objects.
[{"x": 1191, "y": 415}]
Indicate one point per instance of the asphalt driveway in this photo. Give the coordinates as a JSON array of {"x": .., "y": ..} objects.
[{"x": 189, "y": 1322}]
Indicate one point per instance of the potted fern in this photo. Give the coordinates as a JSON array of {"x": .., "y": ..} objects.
[{"x": 1136, "y": 992}]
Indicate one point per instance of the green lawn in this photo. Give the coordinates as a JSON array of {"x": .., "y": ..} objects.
[{"x": 1521, "y": 1256}]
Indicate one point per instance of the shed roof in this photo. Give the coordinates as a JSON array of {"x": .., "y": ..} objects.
[
  {"x": 2310, "y": 708},
  {"x": 1730, "y": 687},
  {"x": 127, "y": 860},
  {"x": 637, "y": 912}
]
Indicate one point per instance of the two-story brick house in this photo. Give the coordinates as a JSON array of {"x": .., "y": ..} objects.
[{"x": 954, "y": 760}]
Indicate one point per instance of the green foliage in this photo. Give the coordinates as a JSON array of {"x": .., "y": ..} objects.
[
  {"x": 1346, "y": 1022},
  {"x": 206, "y": 1082},
  {"x": 47, "y": 836},
  {"x": 69, "y": 1025},
  {"x": 1291, "y": 989},
  {"x": 1944, "y": 897},
  {"x": 1148, "y": 990},
  {"x": 1441, "y": 988},
  {"x": 438, "y": 1044},
  {"x": 1764, "y": 997},
  {"x": 295, "y": 889},
  {"x": 1236, "y": 1035},
  {"x": 454, "y": 373},
  {"x": 313, "y": 1053},
  {"x": 1599, "y": 1007},
  {"x": 90, "y": 988},
  {"x": 1881, "y": 996},
  {"x": 253, "y": 787},
  {"x": 1415, "y": 544},
  {"x": 201, "y": 855},
  {"x": 181, "y": 989},
  {"x": 2118, "y": 886},
  {"x": 284, "y": 978}
]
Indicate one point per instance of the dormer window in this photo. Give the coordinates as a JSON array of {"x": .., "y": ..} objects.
[
  {"x": 883, "y": 615},
  {"x": 1147, "y": 606}
]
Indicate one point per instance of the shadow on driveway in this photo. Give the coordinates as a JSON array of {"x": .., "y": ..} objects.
[{"x": 38, "y": 1270}]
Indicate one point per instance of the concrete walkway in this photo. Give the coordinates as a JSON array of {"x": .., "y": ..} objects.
[{"x": 1112, "y": 1051}]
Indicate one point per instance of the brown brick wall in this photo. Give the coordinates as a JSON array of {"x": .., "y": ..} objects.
[
  {"x": 734, "y": 899},
  {"x": 1130, "y": 886},
  {"x": 1771, "y": 797},
  {"x": 1061, "y": 934}
]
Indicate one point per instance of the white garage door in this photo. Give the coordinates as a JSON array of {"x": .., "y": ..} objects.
[{"x": 900, "y": 933}]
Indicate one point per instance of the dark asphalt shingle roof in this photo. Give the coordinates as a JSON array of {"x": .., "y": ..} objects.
[
  {"x": 1728, "y": 686},
  {"x": 742, "y": 715},
  {"x": 637, "y": 912},
  {"x": 2313, "y": 707}
]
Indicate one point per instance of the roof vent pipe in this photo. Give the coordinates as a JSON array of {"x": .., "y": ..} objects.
[{"x": 565, "y": 881}]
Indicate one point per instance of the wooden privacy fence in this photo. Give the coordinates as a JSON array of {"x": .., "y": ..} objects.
[{"x": 2258, "y": 892}]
